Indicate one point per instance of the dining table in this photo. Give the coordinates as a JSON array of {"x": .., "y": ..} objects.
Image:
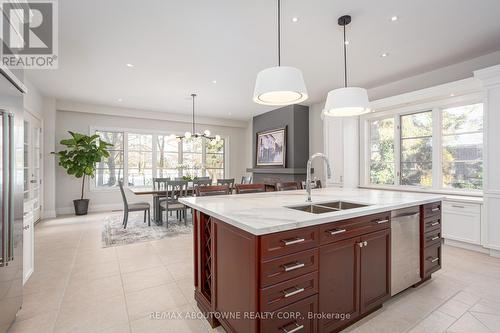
[{"x": 157, "y": 194}]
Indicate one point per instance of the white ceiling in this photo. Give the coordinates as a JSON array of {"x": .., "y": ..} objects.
[{"x": 179, "y": 47}]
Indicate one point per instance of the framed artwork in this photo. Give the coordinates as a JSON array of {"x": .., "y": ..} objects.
[{"x": 271, "y": 148}]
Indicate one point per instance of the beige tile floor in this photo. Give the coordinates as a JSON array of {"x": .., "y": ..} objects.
[{"x": 78, "y": 286}]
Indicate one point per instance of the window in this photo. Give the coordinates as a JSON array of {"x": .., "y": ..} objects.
[
  {"x": 140, "y": 159},
  {"x": 416, "y": 149},
  {"x": 214, "y": 157},
  {"x": 382, "y": 166},
  {"x": 441, "y": 148},
  {"x": 167, "y": 160},
  {"x": 192, "y": 157},
  {"x": 462, "y": 154},
  {"x": 110, "y": 170}
]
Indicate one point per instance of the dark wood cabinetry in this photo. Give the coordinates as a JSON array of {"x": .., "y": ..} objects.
[
  {"x": 339, "y": 283},
  {"x": 375, "y": 270},
  {"x": 328, "y": 276},
  {"x": 430, "y": 239},
  {"x": 355, "y": 274}
]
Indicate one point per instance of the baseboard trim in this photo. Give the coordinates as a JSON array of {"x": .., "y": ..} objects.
[
  {"x": 495, "y": 253},
  {"x": 48, "y": 214},
  {"x": 92, "y": 209},
  {"x": 466, "y": 246}
]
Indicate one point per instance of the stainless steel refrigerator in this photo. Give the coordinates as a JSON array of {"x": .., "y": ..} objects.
[{"x": 11, "y": 196}]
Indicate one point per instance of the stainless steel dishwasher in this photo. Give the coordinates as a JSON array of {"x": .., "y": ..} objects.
[{"x": 405, "y": 248}]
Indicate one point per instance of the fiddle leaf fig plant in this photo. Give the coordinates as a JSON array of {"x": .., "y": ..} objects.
[{"x": 81, "y": 155}]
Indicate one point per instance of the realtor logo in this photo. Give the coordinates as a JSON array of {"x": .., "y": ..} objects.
[{"x": 29, "y": 34}]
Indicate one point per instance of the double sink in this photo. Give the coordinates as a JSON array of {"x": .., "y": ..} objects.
[{"x": 328, "y": 207}]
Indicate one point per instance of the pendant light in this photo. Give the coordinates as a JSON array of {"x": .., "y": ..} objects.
[
  {"x": 347, "y": 101},
  {"x": 193, "y": 134},
  {"x": 280, "y": 85}
]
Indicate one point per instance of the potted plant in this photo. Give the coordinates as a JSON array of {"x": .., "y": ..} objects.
[{"x": 79, "y": 160}]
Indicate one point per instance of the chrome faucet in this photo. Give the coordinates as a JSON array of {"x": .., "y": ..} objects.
[{"x": 308, "y": 180}]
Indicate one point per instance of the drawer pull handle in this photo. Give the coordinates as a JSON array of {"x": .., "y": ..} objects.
[
  {"x": 293, "y": 241},
  {"x": 296, "y": 328},
  {"x": 434, "y": 238},
  {"x": 457, "y": 206},
  {"x": 293, "y": 266},
  {"x": 336, "y": 231},
  {"x": 433, "y": 260},
  {"x": 382, "y": 221},
  {"x": 435, "y": 209},
  {"x": 434, "y": 224},
  {"x": 294, "y": 292}
]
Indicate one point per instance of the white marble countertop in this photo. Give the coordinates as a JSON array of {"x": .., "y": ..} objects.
[{"x": 264, "y": 213}]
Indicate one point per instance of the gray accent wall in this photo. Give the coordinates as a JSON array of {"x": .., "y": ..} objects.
[{"x": 296, "y": 119}]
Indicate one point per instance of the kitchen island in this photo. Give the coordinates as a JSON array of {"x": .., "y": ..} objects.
[{"x": 270, "y": 262}]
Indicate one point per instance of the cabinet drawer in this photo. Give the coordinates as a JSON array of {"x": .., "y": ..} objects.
[
  {"x": 432, "y": 237},
  {"x": 432, "y": 223},
  {"x": 285, "y": 293},
  {"x": 288, "y": 267},
  {"x": 432, "y": 259},
  {"x": 287, "y": 242},
  {"x": 461, "y": 207},
  {"x": 431, "y": 209},
  {"x": 336, "y": 231},
  {"x": 293, "y": 318}
]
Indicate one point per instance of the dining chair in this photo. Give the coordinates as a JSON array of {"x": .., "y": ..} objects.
[
  {"x": 175, "y": 189},
  {"x": 314, "y": 184},
  {"x": 287, "y": 186},
  {"x": 205, "y": 191},
  {"x": 246, "y": 180},
  {"x": 201, "y": 182},
  {"x": 133, "y": 207},
  {"x": 250, "y": 188},
  {"x": 229, "y": 182}
]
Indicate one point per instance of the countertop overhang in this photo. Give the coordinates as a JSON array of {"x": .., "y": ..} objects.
[{"x": 265, "y": 213}]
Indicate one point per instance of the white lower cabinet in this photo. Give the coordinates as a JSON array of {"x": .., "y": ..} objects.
[
  {"x": 462, "y": 222},
  {"x": 28, "y": 245}
]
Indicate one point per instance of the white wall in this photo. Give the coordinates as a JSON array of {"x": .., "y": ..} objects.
[
  {"x": 67, "y": 187},
  {"x": 49, "y": 163},
  {"x": 33, "y": 100}
]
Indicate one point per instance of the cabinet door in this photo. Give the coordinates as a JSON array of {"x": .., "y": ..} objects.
[
  {"x": 462, "y": 222},
  {"x": 334, "y": 149},
  {"x": 375, "y": 270},
  {"x": 339, "y": 282}
]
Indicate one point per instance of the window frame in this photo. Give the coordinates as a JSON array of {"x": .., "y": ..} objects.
[
  {"x": 155, "y": 134},
  {"x": 436, "y": 106}
]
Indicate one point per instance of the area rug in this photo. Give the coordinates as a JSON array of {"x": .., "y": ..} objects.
[{"x": 137, "y": 231}]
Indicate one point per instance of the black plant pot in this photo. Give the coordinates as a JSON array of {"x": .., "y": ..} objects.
[{"x": 81, "y": 206}]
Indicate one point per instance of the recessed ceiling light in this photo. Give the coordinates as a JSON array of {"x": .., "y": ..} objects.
[
  {"x": 394, "y": 18},
  {"x": 452, "y": 95},
  {"x": 120, "y": 100},
  {"x": 130, "y": 65},
  {"x": 295, "y": 19},
  {"x": 383, "y": 55},
  {"x": 346, "y": 42},
  {"x": 214, "y": 81}
]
